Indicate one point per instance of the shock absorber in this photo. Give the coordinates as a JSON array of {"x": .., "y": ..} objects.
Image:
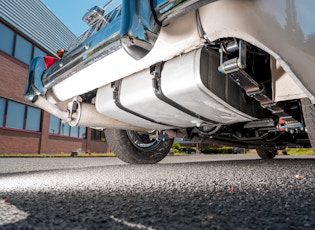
[{"x": 234, "y": 64}]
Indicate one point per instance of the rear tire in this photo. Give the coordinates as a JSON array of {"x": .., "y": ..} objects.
[
  {"x": 266, "y": 154},
  {"x": 308, "y": 110},
  {"x": 137, "y": 148}
]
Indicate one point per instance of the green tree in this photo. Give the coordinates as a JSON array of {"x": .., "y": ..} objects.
[{"x": 176, "y": 146}]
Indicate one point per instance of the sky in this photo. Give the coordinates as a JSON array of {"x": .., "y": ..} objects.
[{"x": 70, "y": 12}]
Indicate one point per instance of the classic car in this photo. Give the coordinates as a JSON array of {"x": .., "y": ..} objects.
[{"x": 238, "y": 73}]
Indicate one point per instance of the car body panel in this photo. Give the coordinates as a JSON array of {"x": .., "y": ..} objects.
[{"x": 267, "y": 24}]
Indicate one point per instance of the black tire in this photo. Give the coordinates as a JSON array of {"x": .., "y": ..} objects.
[
  {"x": 266, "y": 154},
  {"x": 308, "y": 110},
  {"x": 137, "y": 148}
]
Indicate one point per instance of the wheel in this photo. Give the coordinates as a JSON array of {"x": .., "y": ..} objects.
[
  {"x": 266, "y": 154},
  {"x": 308, "y": 110},
  {"x": 137, "y": 148}
]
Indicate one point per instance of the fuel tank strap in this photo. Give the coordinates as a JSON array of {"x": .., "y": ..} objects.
[
  {"x": 156, "y": 83},
  {"x": 116, "y": 96}
]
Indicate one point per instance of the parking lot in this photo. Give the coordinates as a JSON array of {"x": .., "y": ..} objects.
[{"x": 182, "y": 192}]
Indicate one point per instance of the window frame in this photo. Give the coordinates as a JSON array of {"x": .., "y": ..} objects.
[
  {"x": 14, "y": 44},
  {"x": 20, "y": 54},
  {"x": 5, "y": 31},
  {"x": 3, "y": 113},
  {"x": 14, "y": 118},
  {"x": 68, "y": 129},
  {"x": 24, "y": 118}
]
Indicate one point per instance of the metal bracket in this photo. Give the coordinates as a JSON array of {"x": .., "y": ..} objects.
[
  {"x": 202, "y": 33},
  {"x": 74, "y": 112}
]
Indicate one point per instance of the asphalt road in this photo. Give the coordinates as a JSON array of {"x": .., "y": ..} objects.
[{"x": 190, "y": 192}]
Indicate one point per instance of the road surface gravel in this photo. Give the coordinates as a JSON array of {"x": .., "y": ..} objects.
[{"x": 186, "y": 192}]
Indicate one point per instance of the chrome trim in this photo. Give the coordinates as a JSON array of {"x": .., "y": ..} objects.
[
  {"x": 34, "y": 86},
  {"x": 169, "y": 10},
  {"x": 139, "y": 29},
  {"x": 94, "y": 14},
  {"x": 65, "y": 68},
  {"x": 98, "y": 42}
]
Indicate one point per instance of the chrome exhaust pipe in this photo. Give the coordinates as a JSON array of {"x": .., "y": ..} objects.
[
  {"x": 91, "y": 118},
  {"x": 43, "y": 104},
  {"x": 85, "y": 115}
]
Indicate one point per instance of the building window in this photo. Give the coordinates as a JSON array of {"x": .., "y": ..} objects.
[
  {"x": 82, "y": 132},
  {"x": 98, "y": 135},
  {"x": 2, "y": 111},
  {"x": 38, "y": 52},
  {"x": 15, "y": 115},
  {"x": 19, "y": 116},
  {"x": 6, "y": 39},
  {"x": 12, "y": 42},
  {"x": 74, "y": 131},
  {"x": 23, "y": 49},
  {"x": 64, "y": 129},
  {"x": 54, "y": 125},
  {"x": 33, "y": 115}
]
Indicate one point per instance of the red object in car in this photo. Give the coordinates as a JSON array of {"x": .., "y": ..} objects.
[{"x": 49, "y": 60}]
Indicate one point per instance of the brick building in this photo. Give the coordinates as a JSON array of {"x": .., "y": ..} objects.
[{"x": 29, "y": 29}]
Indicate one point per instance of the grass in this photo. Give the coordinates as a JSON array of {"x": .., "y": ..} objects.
[
  {"x": 291, "y": 151},
  {"x": 296, "y": 151}
]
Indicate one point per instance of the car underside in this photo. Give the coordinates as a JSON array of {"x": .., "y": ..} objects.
[{"x": 148, "y": 72}]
